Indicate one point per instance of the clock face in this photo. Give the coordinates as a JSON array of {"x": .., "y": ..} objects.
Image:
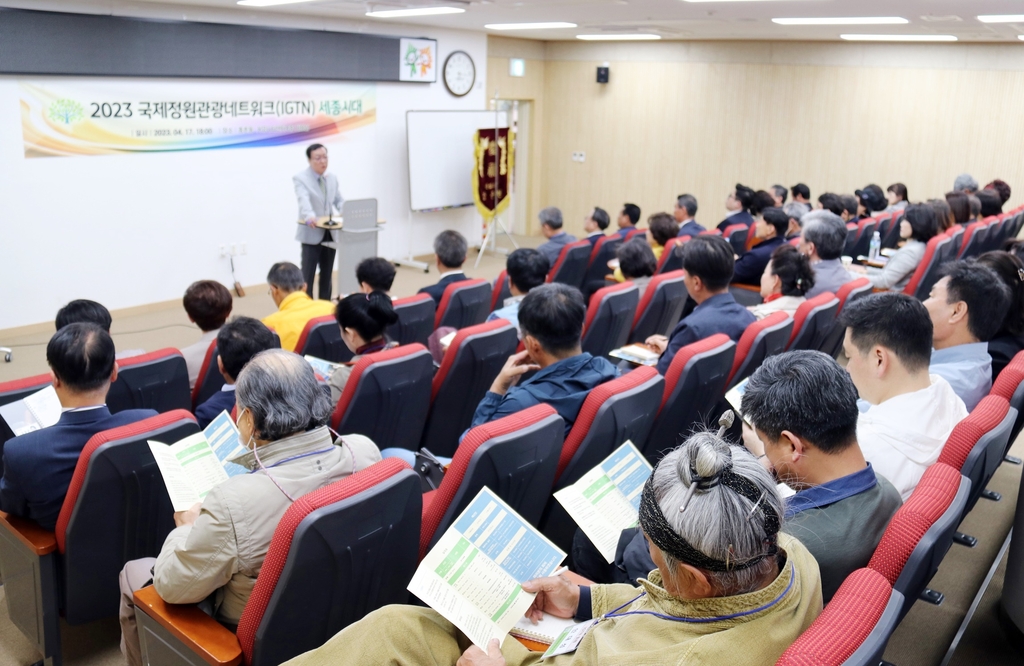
[{"x": 459, "y": 73}]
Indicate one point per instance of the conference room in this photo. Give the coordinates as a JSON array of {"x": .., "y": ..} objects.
[{"x": 485, "y": 333}]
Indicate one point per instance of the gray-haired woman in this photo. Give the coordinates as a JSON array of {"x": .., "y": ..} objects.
[
  {"x": 218, "y": 546},
  {"x": 729, "y": 588}
]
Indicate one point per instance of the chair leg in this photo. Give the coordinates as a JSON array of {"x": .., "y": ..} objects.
[
  {"x": 932, "y": 596},
  {"x": 1013, "y": 460},
  {"x": 965, "y": 539},
  {"x": 991, "y": 495}
]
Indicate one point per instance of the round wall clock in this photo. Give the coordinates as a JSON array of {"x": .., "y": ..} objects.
[{"x": 459, "y": 73}]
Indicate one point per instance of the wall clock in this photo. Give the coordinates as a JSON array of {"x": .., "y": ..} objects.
[{"x": 459, "y": 73}]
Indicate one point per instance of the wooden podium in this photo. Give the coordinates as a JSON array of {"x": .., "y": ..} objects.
[{"x": 357, "y": 229}]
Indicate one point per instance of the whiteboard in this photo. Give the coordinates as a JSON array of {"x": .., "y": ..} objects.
[{"x": 441, "y": 155}]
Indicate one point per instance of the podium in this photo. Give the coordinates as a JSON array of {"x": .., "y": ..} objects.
[{"x": 357, "y": 240}]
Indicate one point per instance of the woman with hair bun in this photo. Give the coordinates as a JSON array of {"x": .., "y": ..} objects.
[
  {"x": 364, "y": 319},
  {"x": 785, "y": 282}
]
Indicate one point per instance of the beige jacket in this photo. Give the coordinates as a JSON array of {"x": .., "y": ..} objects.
[{"x": 224, "y": 549}]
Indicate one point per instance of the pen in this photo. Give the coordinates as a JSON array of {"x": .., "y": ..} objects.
[{"x": 560, "y": 571}]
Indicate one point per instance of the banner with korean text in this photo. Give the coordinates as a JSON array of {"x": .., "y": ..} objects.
[{"x": 102, "y": 117}]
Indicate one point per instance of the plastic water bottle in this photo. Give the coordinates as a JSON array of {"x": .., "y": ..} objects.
[{"x": 875, "y": 248}]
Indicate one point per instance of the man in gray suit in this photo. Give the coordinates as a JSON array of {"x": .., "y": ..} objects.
[
  {"x": 317, "y": 191},
  {"x": 551, "y": 226}
]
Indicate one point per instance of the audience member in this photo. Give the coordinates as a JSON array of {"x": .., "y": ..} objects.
[
  {"x": 38, "y": 465},
  {"x": 551, "y": 226},
  {"x": 526, "y": 269},
  {"x": 960, "y": 205},
  {"x": 801, "y": 194},
  {"x": 990, "y": 203},
  {"x": 761, "y": 202},
  {"x": 294, "y": 306},
  {"x": 943, "y": 214},
  {"x": 1009, "y": 339},
  {"x": 364, "y": 320},
  {"x": 738, "y": 204},
  {"x": 1001, "y": 188},
  {"x": 237, "y": 342},
  {"x": 850, "y": 206},
  {"x": 661, "y": 228},
  {"x": 83, "y": 311},
  {"x": 595, "y": 224},
  {"x": 896, "y": 195},
  {"x": 967, "y": 306},
  {"x": 628, "y": 218},
  {"x": 779, "y": 193},
  {"x": 975, "y": 204},
  {"x": 965, "y": 183},
  {"x": 708, "y": 263},
  {"x": 723, "y": 573},
  {"x": 770, "y": 232},
  {"x": 684, "y": 212},
  {"x": 636, "y": 263},
  {"x": 917, "y": 227},
  {"x": 784, "y": 282},
  {"x": 795, "y": 212},
  {"x": 822, "y": 241},
  {"x": 832, "y": 203},
  {"x": 375, "y": 274},
  {"x": 218, "y": 546},
  {"x": 906, "y": 414},
  {"x": 208, "y": 305},
  {"x": 450, "y": 249},
  {"x": 870, "y": 200}
]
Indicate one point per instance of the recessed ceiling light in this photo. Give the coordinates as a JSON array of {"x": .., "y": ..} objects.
[
  {"x": 899, "y": 38},
  {"x": 269, "y": 3},
  {"x": 850, "y": 20},
  {"x": 416, "y": 11},
  {"x": 551, "y": 25},
  {"x": 1020, "y": 37},
  {"x": 634, "y": 37},
  {"x": 1001, "y": 18}
]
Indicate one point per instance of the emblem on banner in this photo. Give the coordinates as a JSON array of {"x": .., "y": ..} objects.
[{"x": 492, "y": 172}]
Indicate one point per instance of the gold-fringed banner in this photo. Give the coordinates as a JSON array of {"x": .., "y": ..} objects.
[{"x": 492, "y": 172}]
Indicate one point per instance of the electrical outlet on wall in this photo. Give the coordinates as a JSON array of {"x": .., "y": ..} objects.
[
  {"x": 223, "y": 251},
  {"x": 243, "y": 249},
  {"x": 579, "y": 156}
]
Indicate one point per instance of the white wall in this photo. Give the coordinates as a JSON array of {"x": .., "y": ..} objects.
[{"x": 127, "y": 230}]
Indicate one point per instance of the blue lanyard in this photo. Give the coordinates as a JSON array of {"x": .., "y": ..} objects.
[
  {"x": 301, "y": 455},
  {"x": 701, "y": 620}
]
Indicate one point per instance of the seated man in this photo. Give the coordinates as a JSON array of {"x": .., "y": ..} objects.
[
  {"x": 822, "y": 239},
  {"x": 727, "y": 587},
  {"x": 526, "y": 269},
  {"x": 208, "y": 305},
  {"x": 551, "y": 325},
  {"x": 237, "y": 342},
  {"x": 684, "y": 211},
  {"x": 217, "y": 549},
  {"x": 808, "y": 438},
  {"x": 707, "y": 262},
  {"x": 294, "y": 306},
  {"x": 450, "y": 249},
  {"x": 375, "y": 274},
  {"x": 595, "y": 224},
  {"x": 628, "y": 218},
  {"x": 770, "y": 231},
  {"x": 38, "y": 465},
  {"x": 551, "y": 226},
  {"x": 738, "y": 204},
  {"x": 795, "y": 212},
  {"x": 84, "y": 311},
  {"x": 801, "y": 194},
  {"x": 906, "y": 414},
  {"x": 967, "y": 307}
]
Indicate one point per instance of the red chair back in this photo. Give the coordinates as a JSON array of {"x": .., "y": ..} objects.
[
  {"x": 736, "y": 234},
  {"x": 571, "y": 266},
  {"x": 17, "y": 389},
  {"x": 415, "y": 320},
  {"x": 209, "y": 381},
  {"x": 321, "y": 337},
  {"x": 609, "y": 318},
  {"x": 973, "y": 239},
  {"x": 927, "y": 272},
  {"x": 672, "y": 255},
  {"x": 464, "y": 304},
  {"x": 660, "y": 307},
  {"x": 500, "y": 290},
  {"x": 765, "y": 337},
  {"x": 605, "y": 250},
  {"x": 848, "y": 293},
  {"x": 157, "y": 380},
  {"x": 814, "y": 321},
  {"x": 633, "y": 233},
  {"x": 978, "y": 443}
]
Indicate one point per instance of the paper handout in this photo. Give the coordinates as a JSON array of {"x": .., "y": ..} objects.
[
  {"x": 36, "y": 411},
  {"x": 193, "y": 466},
  {"x": 638, "y": 354},
  {"x": 321, "y": 367},
  {"x": 606, "y": 500},
  {"x": 473, "y": 575}
]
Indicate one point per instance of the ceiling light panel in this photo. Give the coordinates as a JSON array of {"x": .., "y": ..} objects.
[
  {"x": 635, "y": 37},
  {"x": 269, "y": 3},
  {"x": 898, "y": 38},
  {"x": 415, "y": 11},
  {"x": 849, "y": 20},
  {"x": 1001, "y": 18},
  {"x": 550, "y": 25}
]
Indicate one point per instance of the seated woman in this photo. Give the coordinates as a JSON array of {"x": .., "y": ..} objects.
[
  {"x": 637, "y": 263},
  {"x": 217, "y": 548},
  {"x": 729, "y": 589},
  {"x": 363, "y": 319},
  {"x": 785, "y": 282},
  {"x": 896, "y": 194},
  {"x": 918, "y": 226},
  {"x": 661, "y": 228},
  {"x": 1010, "y": 338}
]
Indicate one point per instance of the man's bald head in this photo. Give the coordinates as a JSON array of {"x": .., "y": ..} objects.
[{"x": 82, "y": 357}]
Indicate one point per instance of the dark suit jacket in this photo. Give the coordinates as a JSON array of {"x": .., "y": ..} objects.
[
  {"x": 621, "y": 233},
  {"x": 593, "y": 238},
  {"x": 38, "y": 466},
  {"x": 691, "y": 228},
  {"x": 750, "y": 266},
  {"x": 743, "y": 217},
  {"x": 218, "y": 402},
  {"x": 436, "y": 291},
  {"x": 718, "y": 314}
]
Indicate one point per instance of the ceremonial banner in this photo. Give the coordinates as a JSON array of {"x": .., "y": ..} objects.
[
  {"x": 492, "y": 175},
  {"x": 93, "y": 117}
]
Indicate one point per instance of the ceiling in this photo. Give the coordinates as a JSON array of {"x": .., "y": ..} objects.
[{"x": 672, "y": 19}]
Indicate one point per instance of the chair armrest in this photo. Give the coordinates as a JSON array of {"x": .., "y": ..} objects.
[
  {"x": 36, "y": 539},
  {"x": 196, "y": 630}
]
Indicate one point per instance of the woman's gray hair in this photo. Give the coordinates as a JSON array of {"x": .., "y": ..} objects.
[
  {"x": 718, "y": 521},
  {"x": 281, "y": 391}
]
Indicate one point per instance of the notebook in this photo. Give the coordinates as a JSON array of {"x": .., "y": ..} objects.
[{"x": 545, "y": 631}]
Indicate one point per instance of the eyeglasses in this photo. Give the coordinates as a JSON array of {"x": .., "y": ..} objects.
[{"x": 319, "y": 158}]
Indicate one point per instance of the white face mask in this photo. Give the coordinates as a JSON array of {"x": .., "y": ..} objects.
[{"x": 251, "y": 444}]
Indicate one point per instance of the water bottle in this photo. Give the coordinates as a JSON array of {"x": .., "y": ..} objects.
[{"x": 875, "y": 248}]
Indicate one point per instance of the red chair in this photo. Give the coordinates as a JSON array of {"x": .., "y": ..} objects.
[
  {"x": 116, "y": 509},
  {"x": 660, "y": 307},
  {"x": 920, "y": 534},
  {"x": 854, "y": 627},
  {"x": 387, "y": 397},
  {"x": 851, "y": 238},
  {"x": 891, "y": 237},
  {"x": 614, "y": 412},
  {"x": 736, "y": 234},
  {"x": 571, "y": 265},
  {"x": 862, "y": 242},
  {"x": 994, "y": 238},
  {"x": 415, "y": 320},
  {"x": 952, "y": 250},
  {"x": 633, "y": 233},
  {"x": 1010, "y": 385},
  {"x": 794, "y": 241},
  {"x": 321, "y": 338},
  {"x": 604, "y": 250},
  {"x": 209, "y": 380},
  {"x": 157, "y": 380},
  {"x": 974, "y": 238},
  {"x": 978, "y": 443},
  {"x": 672, "y": 256},
  {"x": 848, "y": 293},
  {"x": 472, "y": 361},
  {"x": 464, "y": 304},
  {"x": 765, "y": 337},
  {"x": 500, "y": 290},
  {"x": 610, "y": 317},
  {"x": 515, "y": 456},
  {"x": 18, "y": 389},
  {"x": 710, "y": 232},
  {"x": 814, "y": 322},
  {"x": 338, "y": 553},
  {"x": 694, "y": 384},
  {"x": 928, "y": 271}
]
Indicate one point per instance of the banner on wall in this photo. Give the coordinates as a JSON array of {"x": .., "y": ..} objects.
[
  {"x": 492, "y": 171},
  {"x": 88, "y": 117}
]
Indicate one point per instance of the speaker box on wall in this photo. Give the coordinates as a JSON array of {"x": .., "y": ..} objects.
[{"x": 602, "y": 74}]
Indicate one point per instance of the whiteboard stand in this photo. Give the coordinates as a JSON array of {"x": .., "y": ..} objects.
[
  {"x": 493, "y": 227},
  {"x": 408, "y": 260}
]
